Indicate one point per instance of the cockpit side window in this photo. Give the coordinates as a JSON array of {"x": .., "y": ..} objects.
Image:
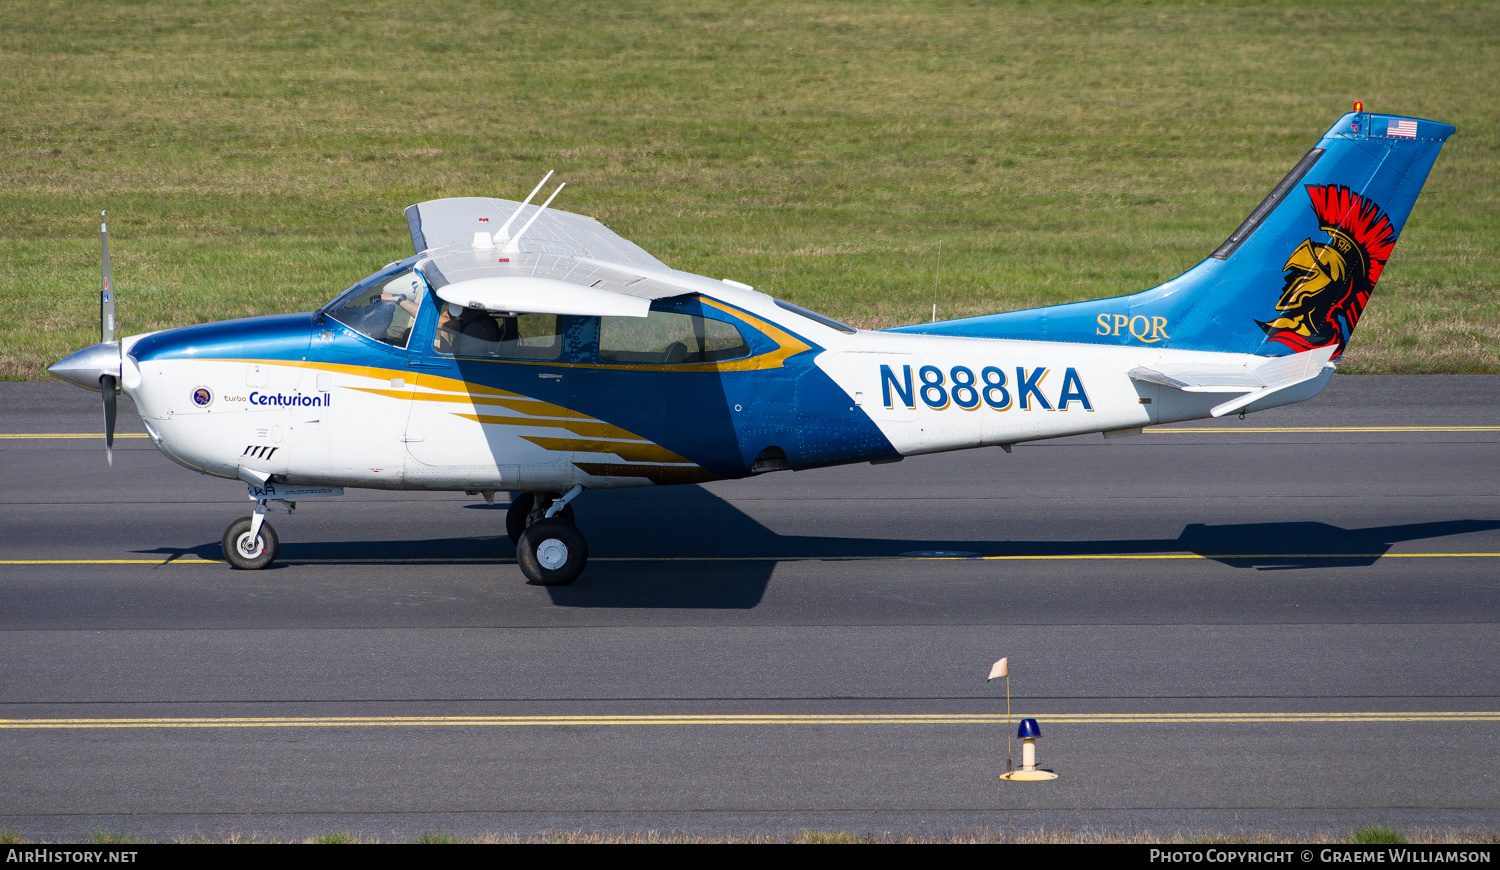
[
  {"x": 384, "y": 308},
  {"x": 473, "y": 332},
  {"x": 669, "y": 337}
]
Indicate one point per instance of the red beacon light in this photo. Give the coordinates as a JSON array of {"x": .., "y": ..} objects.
[{"x": 1359, "y": 106}]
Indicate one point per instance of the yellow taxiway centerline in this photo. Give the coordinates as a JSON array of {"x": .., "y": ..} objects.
[
  {"x": 49, "y": 435},
  {"x": 753, "y": 719},
  {"x": 1120, "y": 558}
]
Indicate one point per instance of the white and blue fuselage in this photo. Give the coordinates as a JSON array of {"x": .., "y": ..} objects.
[{"x": 561, "y": 357}]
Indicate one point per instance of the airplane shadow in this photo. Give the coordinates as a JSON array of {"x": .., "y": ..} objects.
[{"x": 685, "y": 547}]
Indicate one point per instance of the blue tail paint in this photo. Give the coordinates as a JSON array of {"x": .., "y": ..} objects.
[{"x": 1294, "y": 276}]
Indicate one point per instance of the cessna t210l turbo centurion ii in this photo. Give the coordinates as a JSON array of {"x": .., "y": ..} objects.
[{"x": 533, "y": 351}]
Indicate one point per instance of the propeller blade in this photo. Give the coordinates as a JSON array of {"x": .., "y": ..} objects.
[
  {"x": 107, "y": 387},
  {"x": 106, "y": 288}
]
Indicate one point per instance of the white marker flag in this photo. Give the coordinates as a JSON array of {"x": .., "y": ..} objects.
[{"x": 1000, "y": 669}]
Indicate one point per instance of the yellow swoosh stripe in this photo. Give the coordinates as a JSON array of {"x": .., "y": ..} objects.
[
  {"x": 415, "y": 378},
  {"x": 524, "y": 405},
  {"x": 630, "y": 451},
  {"x": 579, "y": 424},
  {"x": 788, "y": 345},
  {"x": 586, "y": 428},
  {"x": 989, "y": 719}
]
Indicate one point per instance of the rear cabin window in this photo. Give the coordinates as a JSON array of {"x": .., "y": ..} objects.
[
  {"x": 478, "y": 333},
  {"x": 668, "y": 337}
]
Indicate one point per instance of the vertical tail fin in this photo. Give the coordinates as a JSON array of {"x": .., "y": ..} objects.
[{"x": 1295, "y": 275}]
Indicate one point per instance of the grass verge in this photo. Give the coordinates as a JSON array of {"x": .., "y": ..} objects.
[{"x": 255, "y": 158}]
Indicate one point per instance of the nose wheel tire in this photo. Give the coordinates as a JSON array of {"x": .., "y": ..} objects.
[
  {"x": 552, "y": 552},
  {"x": 520, "y": 510},
  {"x": 247, "y": 553}
]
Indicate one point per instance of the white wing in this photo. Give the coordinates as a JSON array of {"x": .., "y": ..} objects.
[
  {"x": 442, "y": 223},
  {"x": 561, "y": 264},
  {"x": 524, "y": 294}
]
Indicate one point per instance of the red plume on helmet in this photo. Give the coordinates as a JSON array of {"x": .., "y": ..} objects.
[{"x": 1361, "y": 220}]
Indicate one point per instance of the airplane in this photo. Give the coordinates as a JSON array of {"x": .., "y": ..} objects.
[{"x": 536, "y": 352}]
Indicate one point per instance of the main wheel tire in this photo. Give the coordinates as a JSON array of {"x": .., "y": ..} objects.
[
  {"x": 552, "y": 552},
  {"x": 520, "y": 509},
  {"x": 246, "y": 554}
]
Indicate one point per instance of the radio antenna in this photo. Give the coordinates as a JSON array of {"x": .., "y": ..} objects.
[
  {"x": 106, "y": 286},
  {"x": 501, "y": 234},
  {"x": 935, "y": 281},
  {"x": 514, "y": 245}
]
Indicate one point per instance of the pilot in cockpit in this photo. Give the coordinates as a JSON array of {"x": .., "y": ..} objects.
[
  {"x": 406, "y": 302},
  {"x": 467, "y": 332}
]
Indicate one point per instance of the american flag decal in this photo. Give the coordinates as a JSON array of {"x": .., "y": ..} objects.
[{"x": 1404, "y": 129}]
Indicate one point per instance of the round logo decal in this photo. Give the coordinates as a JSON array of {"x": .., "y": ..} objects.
[{"x": 203, "y": 397}]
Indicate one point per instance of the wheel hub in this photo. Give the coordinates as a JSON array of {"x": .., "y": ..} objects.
[
  {"x": 552, "y": 554},
  {"x": 249, "y": 547}
]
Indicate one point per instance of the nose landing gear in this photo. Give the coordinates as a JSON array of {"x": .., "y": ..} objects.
[
  {"x": 549, "y": 548},
  {"x": 250, "y": 543}
]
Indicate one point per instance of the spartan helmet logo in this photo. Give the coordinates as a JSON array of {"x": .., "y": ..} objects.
[{"x": 1328, "y": 283}]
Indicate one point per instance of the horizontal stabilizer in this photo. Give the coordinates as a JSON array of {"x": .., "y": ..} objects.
[
  {"x": 522, "y": 294},
  {"x": 1255, "y": 379}
]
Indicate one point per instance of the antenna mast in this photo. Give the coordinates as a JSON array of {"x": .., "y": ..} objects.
[
  {"x": 501, "y": 235},
  {"x": 935, "y": 281},
  {"x": 106, "y": 286},
  {"x": 514, "y": 245}
]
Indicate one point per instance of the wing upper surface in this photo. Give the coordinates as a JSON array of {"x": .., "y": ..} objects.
[
  {"x": 442, "y": 223},
  {"x": 562, "y": 263}
]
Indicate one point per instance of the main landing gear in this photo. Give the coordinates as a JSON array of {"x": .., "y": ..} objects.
[{"x": 549, "y": 548}]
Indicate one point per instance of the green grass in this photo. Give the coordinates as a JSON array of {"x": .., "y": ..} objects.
[
  {"x": 829, "y": 837},
  {"x": 336, "y": 838},
  {"x": 1375, "y": 835},
  {"x": 255, "y": 157},
  {"x": 101, "y": 837}
]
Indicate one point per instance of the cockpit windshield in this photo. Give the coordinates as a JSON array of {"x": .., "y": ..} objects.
[{"x": 384, "y": 306}]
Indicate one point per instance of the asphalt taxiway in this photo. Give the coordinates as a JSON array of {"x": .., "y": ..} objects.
[{"x": 1288, "y": 620}]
